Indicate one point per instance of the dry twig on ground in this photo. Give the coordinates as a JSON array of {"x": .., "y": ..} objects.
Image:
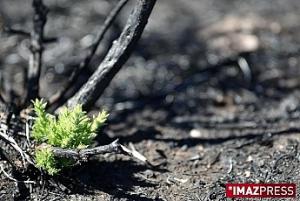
[
  {"x": 12, "y": 142},
  {"x": 84, "y": 154}
]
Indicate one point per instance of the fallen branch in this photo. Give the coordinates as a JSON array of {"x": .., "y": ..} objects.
[
  {"x": 59, "y": 97},
  {"x": 116, "y": 57},
  {"x": 37, "y": 38},
  {"x": 84, "y": 154}
]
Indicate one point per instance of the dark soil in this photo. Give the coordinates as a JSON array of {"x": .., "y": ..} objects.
[{"x": 210, "y": 96}]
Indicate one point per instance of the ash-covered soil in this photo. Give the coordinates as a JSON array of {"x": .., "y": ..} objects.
[{"x": 210, "y": 96}]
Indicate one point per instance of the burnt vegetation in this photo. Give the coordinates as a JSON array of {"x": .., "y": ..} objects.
[{"x": 209, "y": 95}]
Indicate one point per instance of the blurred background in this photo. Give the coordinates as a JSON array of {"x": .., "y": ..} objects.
[
  {"x": 182, "y": 40},
  {"x": 204, "y": 71}
]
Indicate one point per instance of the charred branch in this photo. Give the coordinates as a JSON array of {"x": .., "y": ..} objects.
[
  {"x": 20, "y": 32},
  {"x": 2, "y": 101},
  {"x": 37, "y": 38},
  {"x": 59, "y": 97},
  {"x": 83, "y": 154},
  {"x": 116, "y": 57}
]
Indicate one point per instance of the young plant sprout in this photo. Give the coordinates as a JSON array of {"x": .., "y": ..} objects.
[{"x": 72, "y": 129}]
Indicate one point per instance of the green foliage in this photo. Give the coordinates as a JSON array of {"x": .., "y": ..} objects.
[
  {"x": 46, "y": 160},
  {"x": 71, "y": 129},
  {"x": 42, "y": 122}
]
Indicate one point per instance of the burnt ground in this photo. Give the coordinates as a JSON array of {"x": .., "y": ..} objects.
[{"x": 210, "y": 96}]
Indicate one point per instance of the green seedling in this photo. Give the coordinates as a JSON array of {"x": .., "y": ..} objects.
[{"x": 72, "y": 129}]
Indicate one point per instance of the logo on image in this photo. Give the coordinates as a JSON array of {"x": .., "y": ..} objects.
[{"x": 247, "y": 190}]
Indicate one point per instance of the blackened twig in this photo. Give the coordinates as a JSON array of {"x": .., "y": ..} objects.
[
  {"x": 11, "y": 141},
  {"x": 59, "y": 97},
  {"x": 37, "y": 38},
  {"x": 13, "y": 179},
  {"x": 21, "y": 32},
  {"x": 116, "y": 57},
  {"x": 2, "y": 101},
  {"x": 83, "y": 154}
]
